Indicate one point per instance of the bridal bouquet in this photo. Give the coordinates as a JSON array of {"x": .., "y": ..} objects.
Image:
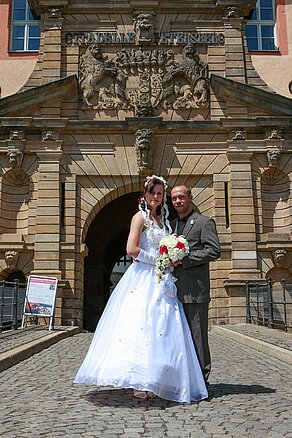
[{"x": 171, "y": 249}]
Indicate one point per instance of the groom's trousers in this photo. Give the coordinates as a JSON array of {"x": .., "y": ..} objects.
[{"x": 197, "y": 317}]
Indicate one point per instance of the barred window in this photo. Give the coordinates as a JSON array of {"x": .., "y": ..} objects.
[
  {"x": 25, "y": 30},
  {"x": 260, "y": 27}
]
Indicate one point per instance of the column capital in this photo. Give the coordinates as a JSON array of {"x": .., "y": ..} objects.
[
  {"x": 52, "y": 151},
  {"x": 238, "y": 156}
]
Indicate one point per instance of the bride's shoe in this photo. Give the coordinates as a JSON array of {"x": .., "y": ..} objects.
[
  {"x": 151, "y": 394},
  {"x": 140, "y": 394}
]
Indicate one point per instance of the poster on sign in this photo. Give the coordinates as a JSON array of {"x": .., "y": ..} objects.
[{"x": 40, "y": 296}]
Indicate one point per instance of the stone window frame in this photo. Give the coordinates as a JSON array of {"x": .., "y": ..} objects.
[
  {"x": 22, "y": 24},
  {"x": 257, "y": 21}
]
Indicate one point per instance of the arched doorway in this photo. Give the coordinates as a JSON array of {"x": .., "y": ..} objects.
[{"x": 106, "y": 241}]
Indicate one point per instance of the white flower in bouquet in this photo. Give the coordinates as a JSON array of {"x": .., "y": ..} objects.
[{"x": 171, "y": 249}]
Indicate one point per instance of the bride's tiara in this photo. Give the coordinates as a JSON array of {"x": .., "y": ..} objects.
[{"x": 148, "y": 179}]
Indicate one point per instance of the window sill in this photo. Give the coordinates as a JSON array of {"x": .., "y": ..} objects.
[{"x": 265, "y": 52}]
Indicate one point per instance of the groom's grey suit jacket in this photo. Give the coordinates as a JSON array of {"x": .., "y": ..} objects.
[{"x": 193, "y": 276}]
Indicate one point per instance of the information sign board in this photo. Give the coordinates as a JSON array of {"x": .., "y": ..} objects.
[{"x": 40, "y": 296}]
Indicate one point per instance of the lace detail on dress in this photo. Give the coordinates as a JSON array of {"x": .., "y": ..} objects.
[
  {"x": 153, "y": 234},
  {"x": 151, "y": 237}
]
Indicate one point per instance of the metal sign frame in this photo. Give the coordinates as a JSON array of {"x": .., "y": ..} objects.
[{"x": 40, "y": 298}]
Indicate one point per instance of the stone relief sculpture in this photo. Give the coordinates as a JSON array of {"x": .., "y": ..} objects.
[
  {"x": 142, "y": 79},
  {"x": 238, "y": 134},
  {"x": 144, "y": 27},
  {"x": 273, "y": 156},
  {"x": 11, "y": 258},
  {"x": 50, "y": 136},
  {"x": 93, "y": 67},
  {"x": 232, "y": 12},
  {"x": 144, "y": 110},
  {"x": 275, "y": 134},
  {"x": 279, "y": 257},
  {"x": 143, "y": 148},
  {"x": 14, "y": 158},
  {"x": 16, "y": 134},
  {"x": 186, "y": 85}
]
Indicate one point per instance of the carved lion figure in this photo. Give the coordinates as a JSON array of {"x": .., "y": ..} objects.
[
  {"x": 194, "y": 72},
  {"x": 92, "y": 69}
]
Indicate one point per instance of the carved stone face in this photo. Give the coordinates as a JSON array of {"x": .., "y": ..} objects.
[
  {"x": 190, "y": 51},
  {"x": 144, "y": 21},
  {"x": 95, "y": 51},
  {"x": 14, "y": 158},
  {"x": 273, "y": 157},
  {"x": 11, "y": 258},
  {"x": 279, "y": 257},
  {"x": 143, "y": 141},
  {"x": 144, "y": 27}
]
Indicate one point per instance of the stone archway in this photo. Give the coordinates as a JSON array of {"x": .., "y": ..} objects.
[{"x": 106, "y": 241}]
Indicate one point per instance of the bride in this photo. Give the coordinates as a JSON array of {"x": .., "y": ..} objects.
[{"x": 142, "y": 340}]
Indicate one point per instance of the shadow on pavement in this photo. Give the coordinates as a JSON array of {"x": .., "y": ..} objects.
[
  {"x": 124, "y": 397},
  {"x": 222, "y": 389}
]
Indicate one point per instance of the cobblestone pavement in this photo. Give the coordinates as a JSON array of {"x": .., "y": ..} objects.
[
  {"x": 272, "y": 336},
  {"x": 249, "y": 397},
  {"x": 13, "y": 339}
]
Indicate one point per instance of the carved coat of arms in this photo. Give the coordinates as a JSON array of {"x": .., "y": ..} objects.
[{"x": 142, "y": 78}]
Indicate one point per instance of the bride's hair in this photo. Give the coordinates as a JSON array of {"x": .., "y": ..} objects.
[{"x": 162, "y": 210}]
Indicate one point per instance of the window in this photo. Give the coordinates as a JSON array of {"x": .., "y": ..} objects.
[
  {"x": 25, "y": 30},
  {"x": 260, "y": 28}
]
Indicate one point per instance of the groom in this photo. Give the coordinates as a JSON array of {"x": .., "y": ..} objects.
[{"x": 192, "y": 273}]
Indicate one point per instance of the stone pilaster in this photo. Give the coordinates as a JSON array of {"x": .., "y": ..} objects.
[
  {"x": 52, "y": 28},
  {"x": 47, "y": 236},
  {"x": 234, "y": 58},
  {"x": 242, "y": 226}
]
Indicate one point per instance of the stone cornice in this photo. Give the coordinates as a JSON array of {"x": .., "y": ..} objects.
[
  {"x": 36, "y": 96},
  {"x": 157, "y": 124},
  {"x": 128, "y": 6},
  {"x": 251, "y": 95}
]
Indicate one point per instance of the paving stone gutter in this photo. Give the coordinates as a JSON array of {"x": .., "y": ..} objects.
[
  {"x": 275, "y": 343},
  {"x": 18, "y": 345}
]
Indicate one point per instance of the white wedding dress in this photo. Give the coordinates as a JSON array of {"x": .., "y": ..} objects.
[{"x": 142, "y": 340}]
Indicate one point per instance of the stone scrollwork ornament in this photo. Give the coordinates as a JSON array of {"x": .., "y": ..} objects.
[
  {"x": 143, "y": 146},
  {"x": 142, "y": 79},
  {"x": 144, "y": 110}
]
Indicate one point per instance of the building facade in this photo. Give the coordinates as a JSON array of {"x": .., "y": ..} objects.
[{"x": 118, "y": 92}]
